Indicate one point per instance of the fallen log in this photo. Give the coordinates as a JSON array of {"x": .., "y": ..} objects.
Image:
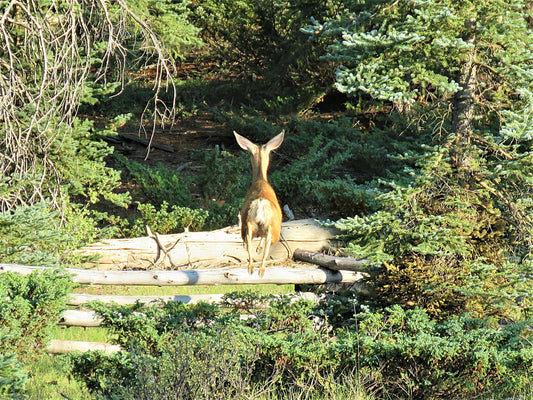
[
  {"x": 77, "y": 299},
  {"x": 331, "y": 262},
  {"x": 146, "y": 142},
  {"x": 66, "y": 346},
  {"x": 213, "y": 249},
  {"x": 222, "y": 276},
  {"x": 80, "y": 318},
  {"x": 89, "y": 319}
]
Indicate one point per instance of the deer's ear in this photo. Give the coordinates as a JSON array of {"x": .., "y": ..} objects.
[
  {"x": 244, "y": 143},
  {"x": 276, "y": 141}
]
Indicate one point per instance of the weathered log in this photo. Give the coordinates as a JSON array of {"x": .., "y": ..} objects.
[
  {"x": 88, "y": 318},
  {"x": 222, "y": 276},
  {"x": 66, "y": 346},
  {"x": 146, "y": 142},
  {"x": 331, "y": 262},
  {"x": 77, "y": 299},
  {"x": 80, "y": 318},
  {"x": 204, "y": 249}
]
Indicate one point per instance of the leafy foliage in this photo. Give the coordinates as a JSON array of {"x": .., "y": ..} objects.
[
  {"x": 31, "y": 236},
  {"x": 169, "y": 22},
  {"x": 397, "y": 352},
  {"x": 167, "y": 221},
  {"x": 216, "y": 203},
  {"x": 34, "y": 235},
  {"x": 454, "y": 229},
  {"x": 13, "y": 377},
  {"x": 264, "y": 35},
  {"x": 461, "y": 357},
  {"x": 50, "y": 149},
  {"x": 29, "y": 307}
]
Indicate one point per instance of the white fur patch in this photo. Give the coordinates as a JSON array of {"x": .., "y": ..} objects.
[{"x": 260, "y": 213}]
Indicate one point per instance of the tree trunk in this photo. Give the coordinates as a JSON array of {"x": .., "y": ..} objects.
[
  {"x": 218, "y": 248},
  {"x": 463, "y": 108},
  {"x": 66, "y": 346},
  {"x": 221, "y": 276}
]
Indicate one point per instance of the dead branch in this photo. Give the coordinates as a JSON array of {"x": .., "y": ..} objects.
[
  {"x": 47, "y": 56},
  {"x": 331, "y": 262}
]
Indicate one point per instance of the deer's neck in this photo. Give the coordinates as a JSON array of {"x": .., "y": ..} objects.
[{"x": 260, "y": 167}]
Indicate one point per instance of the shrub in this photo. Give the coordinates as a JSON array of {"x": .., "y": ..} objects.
[
  {"x": 37, "y": 235},
  {"x": 158, "y": 184},
  {"x": 405, "y": 353},
  {"x": 219, "y": 186},
  {"x": 29, "y": 307},
  {"x": 31, "y": 235},
  {"x": 177, "y": 219},
  {"x": 442, "y": 247},
  {"x": 264, "y": 35},
  {"x": 13, "y": 377},
  {"x": 179, "y": 350}
]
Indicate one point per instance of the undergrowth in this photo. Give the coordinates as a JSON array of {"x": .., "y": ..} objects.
[{"x": 199, "y": 351}]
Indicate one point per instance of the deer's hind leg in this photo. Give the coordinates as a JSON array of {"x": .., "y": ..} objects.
[
  {"x": 248, "y": 243},
  {"x": 266, "y": 250}
]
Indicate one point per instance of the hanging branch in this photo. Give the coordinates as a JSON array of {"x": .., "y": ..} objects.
[{"x": 47, "y": 54}]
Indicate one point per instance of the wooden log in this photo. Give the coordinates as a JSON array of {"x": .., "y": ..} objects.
[
  {"x": 66, "y": 346},
  {"x": 204, "y": 249},
  {"x": 331, "y": 262},
  {"x": 146, "y": 142},
  {"x": 89, "y": 319},
  {"x": 77, "y": 299},
  {"x": 80, "y": 318},
  {"x": 222, "y": 276}
]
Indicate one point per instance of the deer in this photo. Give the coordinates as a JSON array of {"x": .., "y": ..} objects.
[{"x": 260, "y": 214}]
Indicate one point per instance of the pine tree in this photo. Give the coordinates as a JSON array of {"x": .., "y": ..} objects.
[{"x": 457, "y": 234}]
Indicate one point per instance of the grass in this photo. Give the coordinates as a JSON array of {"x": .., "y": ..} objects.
[
  {"x": 182, "y": 290},
  {"x": 49, "y": 382}
]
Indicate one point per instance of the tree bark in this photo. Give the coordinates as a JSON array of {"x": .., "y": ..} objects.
[
  {"x": 218, "y": 248},
  {"x": 221, "y": 276},
  {"x": 66, "y": 346},
  {"x": 463, "y": 107}
]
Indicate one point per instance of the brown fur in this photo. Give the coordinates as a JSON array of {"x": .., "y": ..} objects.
[
  {"x": 260, "y": 213},
  {"x": 262, "y": 189}
]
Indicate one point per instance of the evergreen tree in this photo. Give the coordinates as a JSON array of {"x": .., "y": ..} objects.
[{"x": 456, "y": 232}]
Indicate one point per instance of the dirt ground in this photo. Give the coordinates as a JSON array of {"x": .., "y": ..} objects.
[{"x": 199, "y": 132}]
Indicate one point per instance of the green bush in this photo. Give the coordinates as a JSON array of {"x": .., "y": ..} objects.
[
  {"x": 264, "y": 35},
  {"x": 37, "y": 235},
  {"x": 32, "y": 235},
  {"x": 405, "y": 353},
  {"x": 158, "y": 184},
  {"x": 196, "y": 350},
  {"x": 29, "y": 307},
  {"x": 219, "y": 186},
  {"x": 177, "y": 219},
  {"x": 13, "y": 377},
  {"x": 213, "y": 366}
]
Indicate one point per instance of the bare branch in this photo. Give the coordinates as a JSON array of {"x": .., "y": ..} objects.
[{"x": 46, "y": 58}]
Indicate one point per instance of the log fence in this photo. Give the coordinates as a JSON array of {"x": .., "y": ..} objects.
[{"x": 219, "y": 276}]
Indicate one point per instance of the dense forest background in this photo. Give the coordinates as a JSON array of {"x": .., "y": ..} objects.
[{"x": 409, "y": 126}]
